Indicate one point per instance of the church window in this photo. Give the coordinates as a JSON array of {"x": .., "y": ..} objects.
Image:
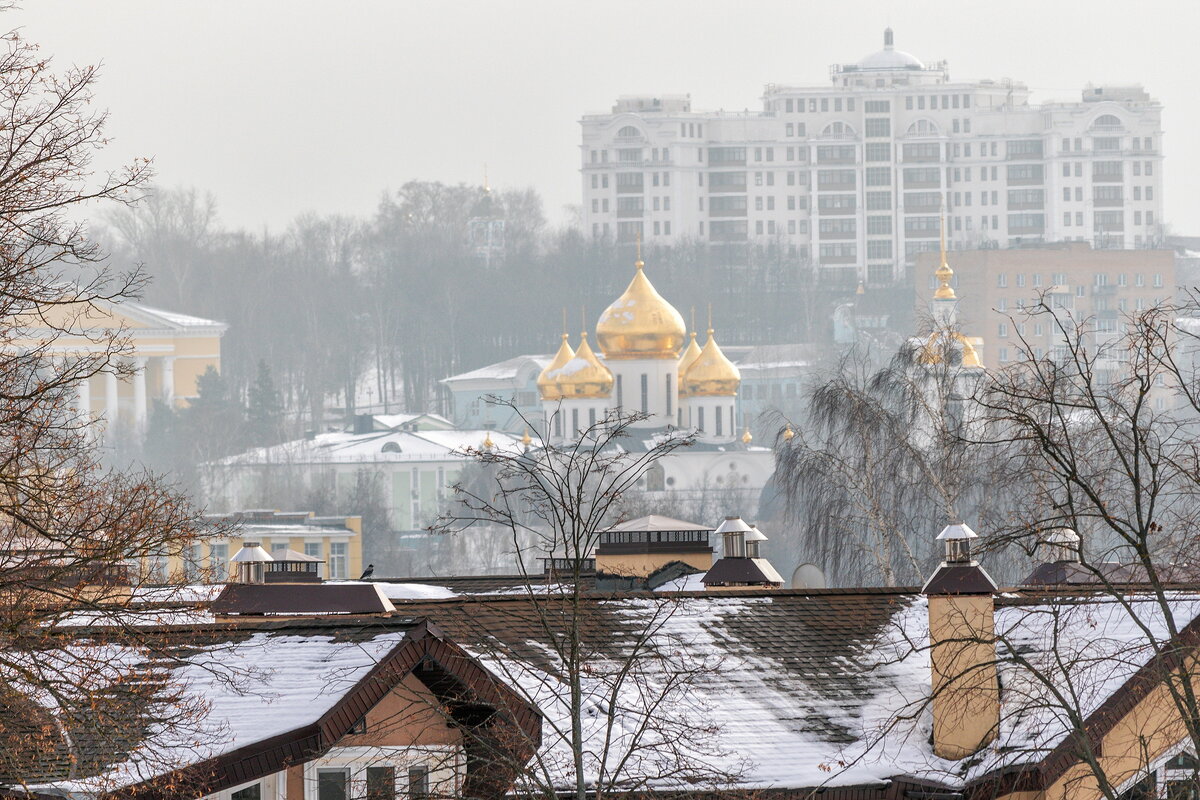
[
  {"x": 668, "y": 394},
  {"x": 645, "y": 394},
  {"x": 700, "y": 418},
  {"x": 718, "y": 416}
]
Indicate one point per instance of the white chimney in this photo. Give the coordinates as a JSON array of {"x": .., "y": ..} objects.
[{"x": 249, "y": 563}]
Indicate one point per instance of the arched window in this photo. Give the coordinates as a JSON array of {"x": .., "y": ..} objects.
[
  {"x": 923, "y": 127},
  {"x": 390, "y": 447},
  {"x": 655, "y": 478},
  {"x": 629, "y": 132},
  {"x": 838, "y": 130},
  {"x": 1107, "y": 121}
]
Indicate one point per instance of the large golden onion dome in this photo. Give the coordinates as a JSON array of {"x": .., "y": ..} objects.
[
  {"x": 583, "y": 376},
  {"x": 547, "y": 386},
  {"x": 712, "y": 374},
  {"x": 686, "y": 360},
  {"x": 640, "y": 323}
]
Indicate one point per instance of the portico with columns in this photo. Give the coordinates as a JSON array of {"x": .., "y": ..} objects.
[{"x": 166, "y": 355}]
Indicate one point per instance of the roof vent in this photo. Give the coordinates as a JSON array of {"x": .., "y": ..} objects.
[{"x": 249, "y": 562}]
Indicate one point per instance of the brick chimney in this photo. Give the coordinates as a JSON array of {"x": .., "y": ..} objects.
[{"x": 966, "y": 694}]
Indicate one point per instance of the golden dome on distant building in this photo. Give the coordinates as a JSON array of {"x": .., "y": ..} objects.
[
  {"x": 712, "y": 374},
  {"x": 747, "y": 437},
  {"x": 686, "y": 360},
  {"x": 547, "y": 386},
  {"x": 583, "y": 376},
  {"x": 640, "y": 323},
  {"x": 940, "y": 341}
]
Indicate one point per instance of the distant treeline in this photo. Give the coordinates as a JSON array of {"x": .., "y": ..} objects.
[{"x": 356, "y": 312}]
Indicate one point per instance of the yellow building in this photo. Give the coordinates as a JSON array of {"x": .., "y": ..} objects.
[
  {"x": 336, "y": 541},
  {"x": 167, "y": 352}
]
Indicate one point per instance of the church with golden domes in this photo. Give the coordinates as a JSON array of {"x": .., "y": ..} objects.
[
  {"x": 646, "y": 369},
  {"x": 648, "y": 364}
]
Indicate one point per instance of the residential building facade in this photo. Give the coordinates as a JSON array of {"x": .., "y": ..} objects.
[
  {"x": 852, "y": 175},
  {"x": 1101, "y": 288}
]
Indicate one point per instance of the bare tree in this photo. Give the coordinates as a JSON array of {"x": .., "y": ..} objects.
[
  {"x": 615, "y": 696},
  {"x": 68, "y": 527},
  {"x": 880, "y": 459}
]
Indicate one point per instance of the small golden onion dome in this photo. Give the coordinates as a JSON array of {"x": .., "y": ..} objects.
[
  {"x": 712, "y": 374},
  {"x": 640, "y": 323},
  {"x": 526, "y": 439},
  {"x": 861, "y": 290},
  {"x": 686, "y": 360},
  {"x": 747, "y": 438},
  {"x": 547, "y": 386},
  {"x": 583, "y": 376},
  {"x": 788, "y": 433},
  {"x": 488, "y": 444},
  {"x": 944, "y": 274}
]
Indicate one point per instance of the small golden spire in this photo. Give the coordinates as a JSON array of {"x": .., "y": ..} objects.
[
  {"x": 788, "y": 433},
  {"x": 488, "y": 444},
  {"x": 639, "y": 263},
  {"x": 944, "y": 274},
  {"x": 527, "y": 440},
  {"x": 747, "y": 438}
]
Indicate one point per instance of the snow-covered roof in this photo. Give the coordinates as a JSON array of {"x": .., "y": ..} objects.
[
  {"x": 375, "y": 447},
  {"x": 817, "y": 688},
  {"x": 247, "y": 689},
  {"x": 506, "y": 370},
  {"x": 657, "y": 522},
  {"x": 172, "y": 318}
]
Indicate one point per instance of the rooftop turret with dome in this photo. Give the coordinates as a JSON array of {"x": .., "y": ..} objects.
[
  {"x": 889, "y": 66},
  {"x": 547, "y": 383},
  {"x": 640, "y": 324},
  {"x": 583, "y": 376},
  {"x": 712, "y": 374}
]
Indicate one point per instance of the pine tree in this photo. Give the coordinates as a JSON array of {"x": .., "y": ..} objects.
[{"x": 264, "y": 416}]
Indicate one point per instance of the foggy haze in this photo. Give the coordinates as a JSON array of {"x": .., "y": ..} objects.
[{"x": 286, "y": 107}]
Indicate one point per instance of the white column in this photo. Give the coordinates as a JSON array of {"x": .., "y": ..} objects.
[
  {"x": 139, "y": 393},
  {"x": 83, "y": 402},
  {"x": 111, "y": 402},
  {"x": 167, "y": 364}
]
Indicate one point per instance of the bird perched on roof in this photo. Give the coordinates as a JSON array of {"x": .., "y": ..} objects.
[{"x": 368, "y": 572}]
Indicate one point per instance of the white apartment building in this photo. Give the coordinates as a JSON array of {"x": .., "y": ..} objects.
[{"x": 853, "y": 175}]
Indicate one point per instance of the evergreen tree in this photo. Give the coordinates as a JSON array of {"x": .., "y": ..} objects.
[{"x": 264, "y": 415}]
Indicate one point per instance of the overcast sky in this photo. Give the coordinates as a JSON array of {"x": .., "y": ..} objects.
[{"x": 279, "y": 108}]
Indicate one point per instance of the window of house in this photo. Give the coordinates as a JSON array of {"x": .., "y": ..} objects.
[
  {"x": 251, "y": 792},
  {"x": 381, "y": 783},
  {"x": 333, "y": 784}
]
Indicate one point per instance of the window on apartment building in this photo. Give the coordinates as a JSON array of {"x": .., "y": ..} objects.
[
  {"x": 1002, "y": 330},
  {"x": 338, "y": 556},
  {"x": 218, "y": 561},
  {"x": 333, "y": 784}
]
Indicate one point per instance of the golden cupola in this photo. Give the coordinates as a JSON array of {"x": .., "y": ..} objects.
[
  {"x": 686, "y": 360},
  {"x": 583, "y": 376},
  {"x": 546, "y": 382},
  {"x": 712, "y": 374},
  {"x": 640, "y": 324}
]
